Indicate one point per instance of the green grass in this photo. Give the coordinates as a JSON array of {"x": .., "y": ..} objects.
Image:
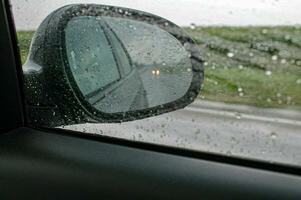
[
  {"x": 258, "y": 66},
  {"x": 24, "y": 38}
]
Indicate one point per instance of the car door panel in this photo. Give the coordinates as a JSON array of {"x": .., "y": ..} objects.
[{"x": 46, "y": 164}]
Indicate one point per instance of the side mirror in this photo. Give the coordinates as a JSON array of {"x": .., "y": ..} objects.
[{"x": 95, "y": 63}]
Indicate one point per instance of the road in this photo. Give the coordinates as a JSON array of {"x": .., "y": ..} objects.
[
  {"x": 164, "y": 83},
  {"x": 272, "y": 135}
]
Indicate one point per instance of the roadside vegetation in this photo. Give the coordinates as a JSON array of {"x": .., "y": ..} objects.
[
  {"x": 251, "y": 65},
  {"x": 24, "y": 38},
  {"x": 258, "y": 66}
]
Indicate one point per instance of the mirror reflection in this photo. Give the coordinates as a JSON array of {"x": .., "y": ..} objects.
[{"x": 122, "y": 65}]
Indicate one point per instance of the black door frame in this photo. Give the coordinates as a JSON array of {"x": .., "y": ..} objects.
[{"x": 11, "y": 100}]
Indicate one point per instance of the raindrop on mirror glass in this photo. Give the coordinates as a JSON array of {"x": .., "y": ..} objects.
[
  {"x": 233, "y": 139},
  {"x": 228, "y": 153}
]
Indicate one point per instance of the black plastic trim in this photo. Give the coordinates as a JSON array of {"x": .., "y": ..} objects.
[
  {"x": 11, "y": 100},
  {"x": 38, "y": 164}
]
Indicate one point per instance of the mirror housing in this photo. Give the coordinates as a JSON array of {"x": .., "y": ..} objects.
[{"x": 54, "y": 98}]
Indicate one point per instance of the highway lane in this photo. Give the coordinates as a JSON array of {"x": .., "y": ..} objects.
[
  {"x": 272, "y": 135},
  {"x": 164, "y": 83}
]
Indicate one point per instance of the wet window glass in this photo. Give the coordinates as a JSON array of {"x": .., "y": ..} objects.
[{"x": 249, "y": 105}]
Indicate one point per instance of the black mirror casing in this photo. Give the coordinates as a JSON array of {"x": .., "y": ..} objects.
[{"x": 54, "y": 99}]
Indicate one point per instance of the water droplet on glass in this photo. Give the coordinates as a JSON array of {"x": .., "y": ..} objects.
[
  {"x": 239, "y": 89},
  {"x": 274, "y": 57},
  {"x": 233, "y": 139},
  {"x": 264, "y": 31},
  {"x": 298, "y": 81},
  {"x": 230, "y": 54},
  {"x": 192, "y": 26},
  {"x": 273, "y": 135},
  {"x": 268, "y": 73},
  {"x": 238, "y": 115},
  {"x": 287, "y": 37},
  {"x": 283, "y": 61},
  {"x": 240, "y": 67}
]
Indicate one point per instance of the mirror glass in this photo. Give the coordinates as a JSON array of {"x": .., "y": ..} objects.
[{"x": 122, "y": 65}]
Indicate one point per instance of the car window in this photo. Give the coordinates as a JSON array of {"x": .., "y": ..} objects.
[{"x": 250, "y": 103}]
